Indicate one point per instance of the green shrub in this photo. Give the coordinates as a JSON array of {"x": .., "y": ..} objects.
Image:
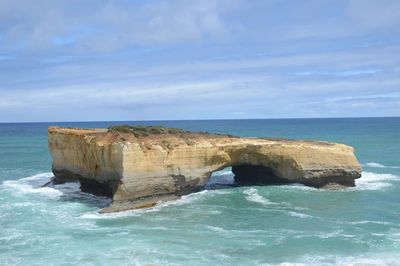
[{"x": 143, "y": 131}]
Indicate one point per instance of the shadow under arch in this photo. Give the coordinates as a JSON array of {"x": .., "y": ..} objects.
[{"x": 244, "y": 175}]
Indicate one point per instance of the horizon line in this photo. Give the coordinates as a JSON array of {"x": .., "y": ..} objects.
[{"x": 216, "y": 119}]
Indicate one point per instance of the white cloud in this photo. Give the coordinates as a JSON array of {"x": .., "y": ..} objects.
[
  {"x": 258, "y": 87},
  {"x": 109, "y": 25},
  {"x": 64, "y": 60}
]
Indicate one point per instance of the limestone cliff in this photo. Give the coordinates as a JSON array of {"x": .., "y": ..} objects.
[{"x": 140, "y": 170}]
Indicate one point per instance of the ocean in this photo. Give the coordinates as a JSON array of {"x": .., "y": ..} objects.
[{"x": 221, "y": 225}]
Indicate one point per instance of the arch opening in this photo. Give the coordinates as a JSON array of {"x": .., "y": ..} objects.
[
  {"x": 256, "y": 175},
  {"x": 244, "y": 175},
  {"x": 219, "y": 179}
]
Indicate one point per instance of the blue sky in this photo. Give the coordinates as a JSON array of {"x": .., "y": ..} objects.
[{"x": 153, "y": 60}]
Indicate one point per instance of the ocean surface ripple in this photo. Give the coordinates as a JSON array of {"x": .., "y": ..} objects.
[{"x": 223, "y": 224}]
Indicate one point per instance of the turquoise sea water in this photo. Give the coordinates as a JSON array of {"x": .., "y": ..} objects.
[{"x": 221, "y": 225}]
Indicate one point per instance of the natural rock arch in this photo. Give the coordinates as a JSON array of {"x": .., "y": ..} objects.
[
  {"x": 255, "y": 166},
  {"x": 139, "y": 171}
]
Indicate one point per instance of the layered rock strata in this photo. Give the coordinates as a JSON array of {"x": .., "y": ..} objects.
[{"x": 139, "y": 171}]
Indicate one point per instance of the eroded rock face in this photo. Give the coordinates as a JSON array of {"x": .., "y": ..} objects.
[{"x": 140, "y": 171}]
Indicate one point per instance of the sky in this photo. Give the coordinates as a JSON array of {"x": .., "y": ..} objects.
[{"x": 99, "y": 60}]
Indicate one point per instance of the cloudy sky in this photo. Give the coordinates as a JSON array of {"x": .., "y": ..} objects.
[{"x": 207, "y": 59}]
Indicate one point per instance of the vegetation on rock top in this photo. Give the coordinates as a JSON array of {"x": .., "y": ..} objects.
[{"x": 144, "y": 131}]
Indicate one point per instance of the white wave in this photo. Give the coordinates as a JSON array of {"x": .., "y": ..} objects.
[
  {"x": 367, "y": 181},
  {"x": 298, "y": 214},
  {"x": 22, "y": 204},
  {"x": 368, "y": 177},
  {"x": 217, "y": 229},
  {"x": 367, "y": 261},
  {"x": 370, "y": 259},
  {"x": 253, "y": 196},
  {"x": 33, "y": 184},
  {"x": 38, "y": 178},
  {"x": 158, "y": 207},
  {"x": 374, "y": 181},
  {"x": 394, "y": 234},
  {"x": 70, "y": 187},
  {"x": 378, "y": 165},
  {"x": 11, "y": 235},
  {"x": 291, "y": 264},
  {"x": 297, "y": 187},
  {"x": 235, "y": 233},
  {"x": 195, "y": 197},
  {"x": 121, "y": 214},
  {"x": 93, "y": 215},
  {"x": 370, "y": 222},
  {"x": 326, "y": 235},
  {"x": 226, "y": 171}
]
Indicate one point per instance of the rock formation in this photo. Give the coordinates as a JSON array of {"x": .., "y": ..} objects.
[{"x": 138, "y": 168}]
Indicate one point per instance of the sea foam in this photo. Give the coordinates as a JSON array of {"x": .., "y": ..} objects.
[
  {"x": 226, "y": 171},
  {"x": 356, "y": 260},
  {"x": 184, "y": 200},
  {"x": 253, "y": 196},
  {"x": 299, "y": 215},
  {"x": 34, "y": 184},
  {"x": 374, "y": 181}
]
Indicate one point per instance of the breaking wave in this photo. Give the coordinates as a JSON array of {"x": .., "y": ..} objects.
[
  {"x": 253, "y": 196},
  {"x": 368, "y": 259},
  {"x": 225, "y": 171},
  {"x": 378, "y": 165},
  {"x": 34, "y": 184},
  {"x": 37, "y": 184},
  {"x": 299, "y": 215},
  {"x": 374, "y": 181},
  {"x": 184, "y": 200}
]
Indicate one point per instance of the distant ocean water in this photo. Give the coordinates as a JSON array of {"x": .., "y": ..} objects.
[{"x": 221, "y": 225}]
